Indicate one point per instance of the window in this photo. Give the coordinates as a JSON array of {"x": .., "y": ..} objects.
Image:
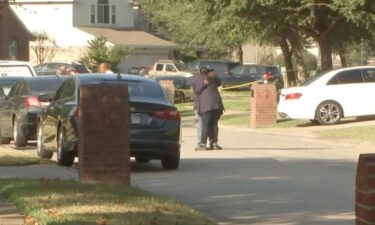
[
  {"x": 159, "y": 67},
  {"x": 103, "y": 11},
  {"x": 92, "y": 14},
  {"x": 369, "y": 75},
  {"x": 66, "y": 90},
  {"x": 350, "y": 77},
  {"x": 13, "y": 49},
  {"x": 170, "y": 68},
  {"x": 113, "y": 14}
]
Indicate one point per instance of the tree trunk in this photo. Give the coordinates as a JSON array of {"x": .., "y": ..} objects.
[
  {"x": 297, "y": 50},
  {"x": 325, "y": 54},
  {"x": 287, "y": 55},
  {"x": 240, "y": 53},
  {"x": 342, "y": 55}
]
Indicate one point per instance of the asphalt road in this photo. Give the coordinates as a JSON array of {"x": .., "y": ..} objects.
[{"x": 262, "y": 177}]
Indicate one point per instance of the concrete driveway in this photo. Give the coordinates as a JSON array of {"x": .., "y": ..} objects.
[{"x": 262, "y": 177}]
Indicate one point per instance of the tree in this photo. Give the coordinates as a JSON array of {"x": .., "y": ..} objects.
[
  {"x": 100, "y": 52},
  {"x": 43, "y": 46}
]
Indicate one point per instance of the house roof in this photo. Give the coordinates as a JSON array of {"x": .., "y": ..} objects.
[
  {"x": 129, "y": 38},
  {"x": 20, "y": 23}
]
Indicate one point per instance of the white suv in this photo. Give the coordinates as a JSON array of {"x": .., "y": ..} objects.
[
  {"x": 169, "y": 67},
  {"x": 16, "y": 68}
]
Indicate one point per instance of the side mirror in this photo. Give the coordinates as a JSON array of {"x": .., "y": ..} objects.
[{"x": 44, "y": 98}]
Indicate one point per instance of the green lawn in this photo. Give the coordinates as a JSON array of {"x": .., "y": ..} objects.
[
  {"x": 72, "y": 203},
  {"x": 366, "y": 133},
  {"x": 243, "y": 120}
]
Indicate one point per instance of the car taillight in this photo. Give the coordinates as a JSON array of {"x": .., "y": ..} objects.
[
  {"x": 76, "y": 111},
  {"x": 167, "y": 114},
  {"x": 32, "y": 101},
  {"x": 293, "y": 96}
]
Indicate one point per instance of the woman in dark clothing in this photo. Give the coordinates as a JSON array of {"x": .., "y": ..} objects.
[{"x": 210, "y": 107}]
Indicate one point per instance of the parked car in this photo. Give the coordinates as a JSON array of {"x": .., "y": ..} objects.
[
  {"x": 246, "y": 73},
  {"x": 183, "y": 92},
  {"x": 51, "y": 68},
  {"x": 169, "y": 67},
  {"x": 330, "y": 97},
  {"x": 221, "y": 68},
  {"x": 16, "y": 68},
  {"x": 155, "y": 122},
  {"x": 139, "y": 70},
  {"x": 20, "y": 110}
]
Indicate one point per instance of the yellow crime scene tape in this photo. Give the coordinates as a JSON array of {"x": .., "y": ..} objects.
[{"x": 238, "y": 86}]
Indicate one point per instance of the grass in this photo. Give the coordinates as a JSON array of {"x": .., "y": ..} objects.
[
  {"x": 243, "y": 120},
  {"x": 233, "y": 101},
  {"x": 365, "y": 133},
  {"x": 70, "y": 202},
  {"x": 17, "y": 159}
]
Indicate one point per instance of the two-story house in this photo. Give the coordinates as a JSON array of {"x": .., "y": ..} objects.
[
  {"x": 14, "y": 36},
  {"x": 72, "y": 23}
]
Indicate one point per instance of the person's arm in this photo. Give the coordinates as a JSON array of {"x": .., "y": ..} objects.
[{"x": 199, "y": 84}]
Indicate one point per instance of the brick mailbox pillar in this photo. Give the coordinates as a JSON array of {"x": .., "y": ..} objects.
[
  {"x": 104, "y": 149},
  {"x": 169, "y": 88},
  {"x": 263, "y": 105},
  {"x": 365, "y": 190}
]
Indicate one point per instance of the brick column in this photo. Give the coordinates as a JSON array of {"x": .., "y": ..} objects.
[
  {"x": 365, "y": 190},
  {"x": 168, "y": 86},
  {"x": 263, "y": 105},
  {"x": 104, "y": 143}
]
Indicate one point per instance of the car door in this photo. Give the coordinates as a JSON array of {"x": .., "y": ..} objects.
[
  {"x": 349, "y": 90},
  {"x": 55, "y": 111},
  {"x": 369, "y": 86},
  {"x": 6, "y": 112}
]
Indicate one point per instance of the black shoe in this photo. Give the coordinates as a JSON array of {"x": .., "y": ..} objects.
[
  {"x": 215, "y": 147},
  {"x": 201, "y": 148}
]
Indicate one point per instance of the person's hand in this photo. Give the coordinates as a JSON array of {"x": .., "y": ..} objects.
[{"x": 206, "y": 82}]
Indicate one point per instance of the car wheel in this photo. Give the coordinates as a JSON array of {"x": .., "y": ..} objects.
[
  {"x": 19, "y": 139},
  {"x": 170, "y": 162},
  {"x": 141, "y": 160},
  {"x": 42, "y": 153},
  {"x": 329, "y": 113},
  {"x": 4, "y": 140},
  {"x": 64, "y": 158}
]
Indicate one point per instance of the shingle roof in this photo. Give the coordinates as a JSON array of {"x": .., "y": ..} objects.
[{"x": 129, "y": 38}]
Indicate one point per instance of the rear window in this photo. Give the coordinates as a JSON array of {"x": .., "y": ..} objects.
[
  {"x": 45, "y": 85},
  {"x": 144, "y": 89},
  {"x": 15, "y": 70},
  {"x": 81, "y": 68}
]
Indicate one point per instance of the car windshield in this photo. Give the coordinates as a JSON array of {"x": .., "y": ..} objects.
[
  {"x": 44, "y": 85},
  {"x": 15, "y": 70}
]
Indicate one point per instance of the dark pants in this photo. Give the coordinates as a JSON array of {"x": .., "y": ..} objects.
[{"x": 210, "y": 127}]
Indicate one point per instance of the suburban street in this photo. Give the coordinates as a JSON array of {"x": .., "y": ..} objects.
[{"x": 262, "y": 177}]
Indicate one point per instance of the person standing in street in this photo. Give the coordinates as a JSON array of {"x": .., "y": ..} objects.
[
  {"x": 209, "y": 106},
  {"x": 104, "y": 68}
]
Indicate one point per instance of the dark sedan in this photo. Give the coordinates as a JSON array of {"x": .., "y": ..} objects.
[
  {"x": 155, "y": 122},
  {"x": 20, "y": 110}
]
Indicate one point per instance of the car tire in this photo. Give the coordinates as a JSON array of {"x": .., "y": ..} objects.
[
  {"x": 19, "y": 139},
  {"x": 170, "y": 162},
  {"x": 329, "y": 113},
  {"x": 42, "y": 153},
  {"x": 141, "y": 160},
  {"x": 4, "y": 140},
  {"x": 64, "y": 158}
]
